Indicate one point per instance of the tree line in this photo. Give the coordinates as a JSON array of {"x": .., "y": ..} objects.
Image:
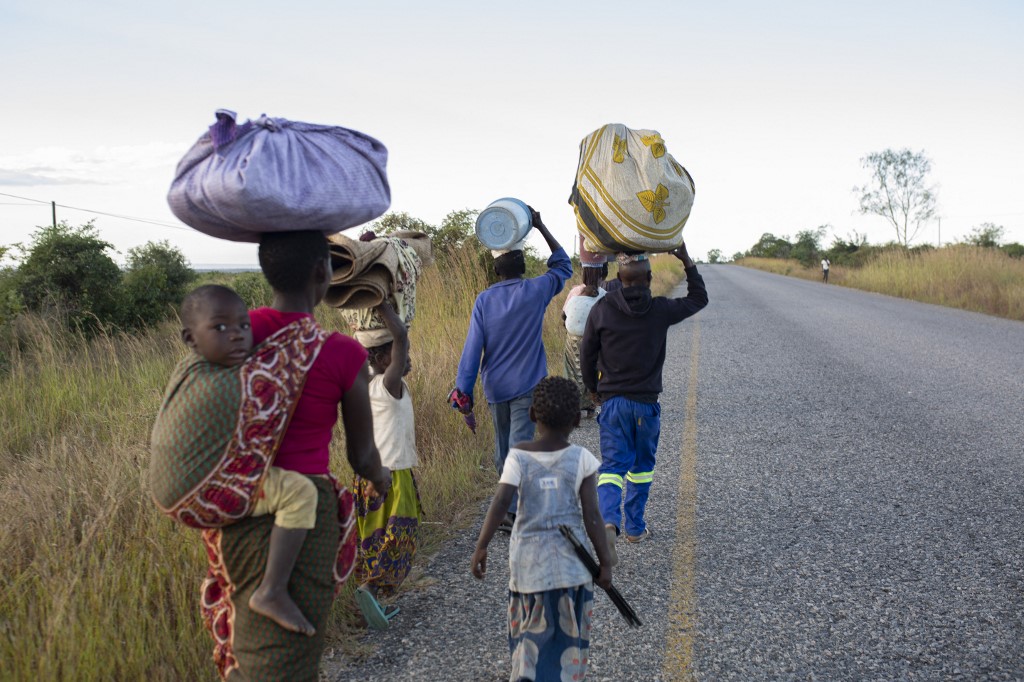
[
  {"x": 67, "y": 273},
  {"x": 900, "y": 192},
  {"x": 854, "y": 250}
]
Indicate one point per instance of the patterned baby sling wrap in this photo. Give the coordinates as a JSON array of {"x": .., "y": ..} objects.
[
  {"x": 219, "y": 428},
  {"x": 216, "y": 434}
]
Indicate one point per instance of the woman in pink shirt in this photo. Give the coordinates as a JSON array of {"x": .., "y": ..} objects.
[{"x": 247, "y": 645}]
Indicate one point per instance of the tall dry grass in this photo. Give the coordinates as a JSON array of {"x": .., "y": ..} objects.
[
  {"x": 95, "y": 586},
  {"x": 94, "y": 583},
  {"x": 792, "y": 268},
  {"x": 968, "y": 277}
]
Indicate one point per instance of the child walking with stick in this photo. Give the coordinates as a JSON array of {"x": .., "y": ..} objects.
[{"x": 551, "y": 595}]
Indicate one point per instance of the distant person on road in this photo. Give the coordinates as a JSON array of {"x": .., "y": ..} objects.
[
  {"x": 551, "y": 592},
  {"x": 504, "y": 344},
  {"x": 824, "y": 270},
  {"x": 622, "y": 357}
]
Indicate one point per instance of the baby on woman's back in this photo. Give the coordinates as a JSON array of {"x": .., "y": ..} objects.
[{"x": 216, "y": 326}]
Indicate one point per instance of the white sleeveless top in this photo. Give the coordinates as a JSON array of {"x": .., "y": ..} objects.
[
  {"x": 577, "y": 310},
  {"x": 394, "y": 430}
]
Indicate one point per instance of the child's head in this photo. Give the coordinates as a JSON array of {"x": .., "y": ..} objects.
[
  {"x": 215, "y": 324},
  {"x": 556, "y": 403},
  {"x": 594, "y": 275},
  {"x": 380, "y": 358}
]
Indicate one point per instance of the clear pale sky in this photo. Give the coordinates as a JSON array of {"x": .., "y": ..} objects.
[{"x": 770, "y": 106}]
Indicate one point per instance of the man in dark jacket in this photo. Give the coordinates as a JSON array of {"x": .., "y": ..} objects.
[{"x": 621, "y": 358}]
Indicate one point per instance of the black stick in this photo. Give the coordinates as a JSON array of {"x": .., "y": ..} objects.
[{"x": 613, "y": 593}]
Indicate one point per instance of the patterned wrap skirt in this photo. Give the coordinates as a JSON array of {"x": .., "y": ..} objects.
[
  {"x": 549, "y": 634},
  {"x": 571, "y": 359},
  {"x": 388, "y": 529},
  {"x": 248, "y": 646}
]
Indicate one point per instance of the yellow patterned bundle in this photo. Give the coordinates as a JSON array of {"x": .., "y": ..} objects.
[{"x": 630, "y": 195}]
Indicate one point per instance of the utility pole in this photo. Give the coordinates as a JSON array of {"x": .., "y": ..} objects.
[
  {"x": 53, "y": 205},
  {"x": 940, "y": 232}
]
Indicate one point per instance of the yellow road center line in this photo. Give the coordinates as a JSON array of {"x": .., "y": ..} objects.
[{"x": 683, "y": 607}]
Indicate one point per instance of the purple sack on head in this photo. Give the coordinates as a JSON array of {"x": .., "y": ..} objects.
[{"x": 276, "y": 175}]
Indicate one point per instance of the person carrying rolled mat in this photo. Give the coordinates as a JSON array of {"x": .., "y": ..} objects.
[
  {"x": 621, "y": 358},
  {"x": 504, "y": 345},
  {"x": 388, "y": 525}
]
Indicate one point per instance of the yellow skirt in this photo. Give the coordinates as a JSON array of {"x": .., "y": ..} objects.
[{"x": 388, "y": 529}]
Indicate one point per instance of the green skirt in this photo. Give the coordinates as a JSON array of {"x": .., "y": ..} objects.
[
  {"x": 248, "y": 646},
  {"x": 388, "y": 529}
]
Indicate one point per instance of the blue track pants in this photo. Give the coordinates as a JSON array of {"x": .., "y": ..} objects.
[{"x": 629, "y": 440}]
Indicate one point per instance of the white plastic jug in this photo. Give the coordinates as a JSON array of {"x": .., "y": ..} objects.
[{"x": 503, "y": 223}]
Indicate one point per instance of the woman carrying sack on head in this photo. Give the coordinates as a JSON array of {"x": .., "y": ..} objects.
[
  {"x": 285, "y": 185},
  {"x": 249, "y": 646}
]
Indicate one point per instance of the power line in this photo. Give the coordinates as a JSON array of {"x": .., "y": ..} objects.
[
  {"x": 136, "y": 219},
  {"x": 13, "y": 196},
  {"x": 123, "y": 217},
  {"x": 982, "y": 215}
]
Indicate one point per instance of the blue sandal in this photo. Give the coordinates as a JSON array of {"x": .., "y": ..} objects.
[{"x": 376, "y": 616}]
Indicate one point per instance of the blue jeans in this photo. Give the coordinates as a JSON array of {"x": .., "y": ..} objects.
[
  {"x": 512, "y": 425},
  {"x": 629, "y": 440}
]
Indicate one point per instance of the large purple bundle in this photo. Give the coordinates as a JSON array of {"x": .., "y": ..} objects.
[{"x": 276, "y": 175}]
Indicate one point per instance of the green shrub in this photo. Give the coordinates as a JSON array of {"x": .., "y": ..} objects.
[
  {"x": 66, "y": 270},
  {"x": 157, "y": 277},
  {"x": 10, "y": 302},
  {"x": 145, "y": 299},
  {"x": 253, "y": 288},
  {"x": 1013, "y": 249}
]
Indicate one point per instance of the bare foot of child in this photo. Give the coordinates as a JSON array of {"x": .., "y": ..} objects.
[{"x": 281, "y": 609}]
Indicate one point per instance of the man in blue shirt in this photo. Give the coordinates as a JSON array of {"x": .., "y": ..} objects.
[{"x": 506, "y": 329}]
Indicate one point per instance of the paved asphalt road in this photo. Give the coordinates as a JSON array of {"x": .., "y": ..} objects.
[{"x": 839, "y": 496}]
